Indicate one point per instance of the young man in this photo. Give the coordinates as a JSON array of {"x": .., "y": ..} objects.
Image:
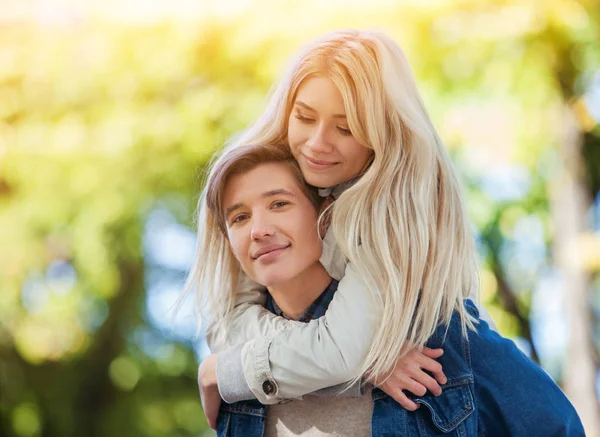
[{"x": 271, "y": 221}]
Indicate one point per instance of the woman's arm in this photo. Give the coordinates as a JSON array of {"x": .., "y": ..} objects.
[
  {"x": 299, "y": 358},
  {"x": 251, "y": 329},
  {"x": 290, "y": 359},
  {"x": 249, "y": 319}
]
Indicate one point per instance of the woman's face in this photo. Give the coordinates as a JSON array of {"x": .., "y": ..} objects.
[{"x": 320, "y": 138}]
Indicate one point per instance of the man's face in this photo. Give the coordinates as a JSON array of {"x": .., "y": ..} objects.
[{"x": 271, "y": 224}]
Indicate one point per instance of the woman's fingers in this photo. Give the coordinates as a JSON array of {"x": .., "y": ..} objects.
[
  {"x": 425, "y": 381},
  {"x": 415, "y": 387},
  {"x": 433, "y": 353},
  {"x": 400, "y": 397},
  {"x": 427, "y": 362},
  {"x": 413, "y": 373}
]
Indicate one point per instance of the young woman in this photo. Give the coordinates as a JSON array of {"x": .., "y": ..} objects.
[
  {"x": 350, "y": 112},
  {"x": 267, "y": 216}
]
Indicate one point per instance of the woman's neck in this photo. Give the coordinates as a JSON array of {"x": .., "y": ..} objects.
[{"x": 294, "y": 296}]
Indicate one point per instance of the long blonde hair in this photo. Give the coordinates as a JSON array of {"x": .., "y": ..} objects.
[{"x": 403, "y": 224}]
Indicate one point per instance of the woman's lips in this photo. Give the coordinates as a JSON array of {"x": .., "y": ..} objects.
[
  {"x": 316, "y": 164},
  {"x": 270, "y": 252},
  {"x": 270, "y": 256}
]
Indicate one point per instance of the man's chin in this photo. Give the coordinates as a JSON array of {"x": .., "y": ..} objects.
[{"x": 272, "y": 280}]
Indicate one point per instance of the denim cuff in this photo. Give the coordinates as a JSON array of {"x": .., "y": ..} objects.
[{"x": 230, "y": 376}]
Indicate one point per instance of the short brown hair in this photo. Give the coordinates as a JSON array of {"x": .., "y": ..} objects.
[{"x": 242, "y": 159}]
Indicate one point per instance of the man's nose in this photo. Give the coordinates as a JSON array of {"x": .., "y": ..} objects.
[{"x": 261, "y": 229}]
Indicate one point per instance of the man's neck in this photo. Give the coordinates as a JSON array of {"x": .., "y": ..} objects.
[{"x": 293, "y": 297}]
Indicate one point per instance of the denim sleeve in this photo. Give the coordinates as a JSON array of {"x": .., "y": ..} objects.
[{"x": 515, "y": 396}]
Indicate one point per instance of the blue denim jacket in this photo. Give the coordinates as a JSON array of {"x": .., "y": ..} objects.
[{"x": 493, "y": 390}]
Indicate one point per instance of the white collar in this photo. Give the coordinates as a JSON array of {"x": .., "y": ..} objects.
[{"x": 338, "y": 189}]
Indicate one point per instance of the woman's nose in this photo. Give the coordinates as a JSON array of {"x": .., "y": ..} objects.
[{"x": 318, "y": 141}]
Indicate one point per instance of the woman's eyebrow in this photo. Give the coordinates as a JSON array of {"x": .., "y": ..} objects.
[{"x": 305, "y": 106}]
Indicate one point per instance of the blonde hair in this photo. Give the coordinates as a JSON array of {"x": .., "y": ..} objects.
[
  {"x": 403, "y": 224},
  {"x": 216, "y": 271}
]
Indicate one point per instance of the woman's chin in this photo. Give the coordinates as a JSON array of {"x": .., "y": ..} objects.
[{"x": 321, "y": 180}]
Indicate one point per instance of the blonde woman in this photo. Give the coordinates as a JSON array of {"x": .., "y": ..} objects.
[
  {"x": 267, "y": 215},
  {"x": 399, "y": 238}
]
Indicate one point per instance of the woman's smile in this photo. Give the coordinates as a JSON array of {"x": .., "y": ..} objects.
[{"x": 316, "y": 164}]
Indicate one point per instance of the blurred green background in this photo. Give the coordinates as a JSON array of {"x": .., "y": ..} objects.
[{"x": 110, "y": 110}]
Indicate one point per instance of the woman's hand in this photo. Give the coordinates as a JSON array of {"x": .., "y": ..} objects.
[
  {"x": 409, "y": 374},
  {"x": 209, "y": 390}
]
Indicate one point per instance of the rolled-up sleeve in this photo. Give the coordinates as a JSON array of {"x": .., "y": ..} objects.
[{"x": 322, "y": 353}]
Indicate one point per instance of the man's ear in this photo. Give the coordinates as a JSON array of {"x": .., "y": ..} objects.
[{"x": 231, "y": 248}]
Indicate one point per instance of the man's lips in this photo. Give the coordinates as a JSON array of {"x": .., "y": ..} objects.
[
  {"x": 268, "y": 249},
  {"x": 316, "y": 163}
]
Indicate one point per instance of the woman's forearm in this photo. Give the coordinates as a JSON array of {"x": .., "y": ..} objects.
[{"x": 302, "y": 358}]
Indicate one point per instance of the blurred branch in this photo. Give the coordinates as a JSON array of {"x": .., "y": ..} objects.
[
  {"x": 510, "y": 303},
  {"x": 97, "y": 392},
  {"x": 508, "y": 298}
]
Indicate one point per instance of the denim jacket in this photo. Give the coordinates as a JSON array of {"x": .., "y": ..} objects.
[{"x": 493, "y": 390}]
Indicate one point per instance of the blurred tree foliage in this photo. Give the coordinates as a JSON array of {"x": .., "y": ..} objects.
[
  {"x": 103, "y": 124},
  {"x": 99, "y": 126}
]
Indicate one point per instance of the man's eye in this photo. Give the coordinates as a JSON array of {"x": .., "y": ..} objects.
[{"x": 239, "y": 218}]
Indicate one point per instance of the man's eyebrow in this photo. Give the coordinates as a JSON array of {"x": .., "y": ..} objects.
[
  {"x": 270, "y": 193},
  {"x": 277, "y": 192},
  {"x": 232, "y": 208},
  {"x": 305, "y": 106}
]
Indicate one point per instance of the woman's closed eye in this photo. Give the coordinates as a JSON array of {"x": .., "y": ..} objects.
[
  {"x": 344, "y": 131},
  {"x": 303, "y": 119}
]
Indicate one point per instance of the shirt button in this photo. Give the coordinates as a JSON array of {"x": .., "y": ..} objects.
[{"x": 269, "y": 387}]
